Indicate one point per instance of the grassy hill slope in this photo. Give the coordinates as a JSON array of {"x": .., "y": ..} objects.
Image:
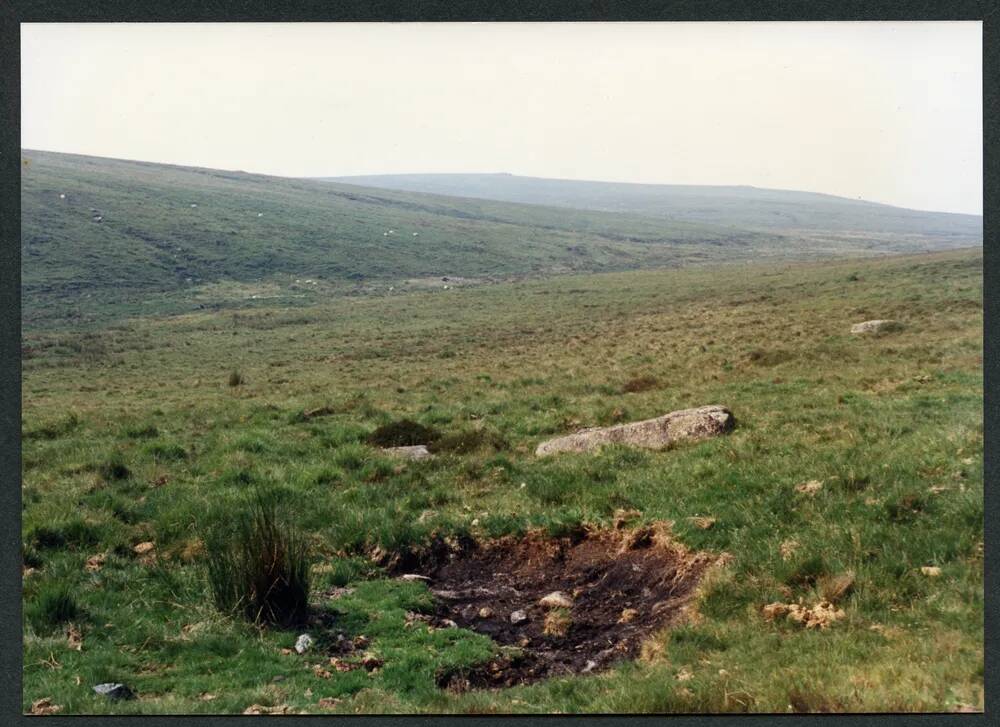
[
  {"x": 132, "y": 435},
  {"x": 103, "y": 238},
  {"x": 744, "y": 207},
  {"x": 137, "y": 228}
]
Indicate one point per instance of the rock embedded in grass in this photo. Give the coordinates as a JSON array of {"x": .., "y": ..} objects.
[
  {"x": 414, "y": 452},
  {"x": 876, "y": 326},
  {"x": 658, "y": 433},
  {"x": 114, "y": 691},
  {"x": 303, "y": 643}
]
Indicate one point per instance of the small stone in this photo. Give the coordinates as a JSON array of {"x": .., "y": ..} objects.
[
  {"x": 556, "y": 599},
  {"x": 143, "y": 548},
  {"x": 519, "y": 616},
  {"x": 931, "y": 571},
  {"x": 591, "y": 665},
  {"x": 114, "y": 691},
  {"x": 628, "y": 616},
  {"x": 415, "y": 452},
  {"x": 876, "y": 326},
  {"x": 485, "y": 612},
  {"x": 303, "y": 643}
]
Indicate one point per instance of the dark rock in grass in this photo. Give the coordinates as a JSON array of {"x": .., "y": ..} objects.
[
  {"x": 115, "y": 691},
  {"x": 659, "y": 433},
  {"x": 415, "y": 452},
  {"x": 876, "y": 326}
]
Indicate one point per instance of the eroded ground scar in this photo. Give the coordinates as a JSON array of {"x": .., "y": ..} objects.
[{"x": 618, "y": 588}]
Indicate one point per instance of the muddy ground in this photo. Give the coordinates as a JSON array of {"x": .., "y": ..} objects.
[{"x": 621, "y": 586}]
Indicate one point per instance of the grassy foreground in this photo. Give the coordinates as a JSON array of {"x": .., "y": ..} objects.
[{"x": 133, "y": 435}]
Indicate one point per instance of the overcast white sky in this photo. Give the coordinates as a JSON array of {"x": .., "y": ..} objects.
[{"x": 889, "y": 112}]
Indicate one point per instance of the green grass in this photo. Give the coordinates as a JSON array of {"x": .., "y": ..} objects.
[{"x": 133, "y": 434}]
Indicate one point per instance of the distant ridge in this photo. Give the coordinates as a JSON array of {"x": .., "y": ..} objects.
[
  {"x": 733, "y": 206},
  {"x": 104, "y": 237}
]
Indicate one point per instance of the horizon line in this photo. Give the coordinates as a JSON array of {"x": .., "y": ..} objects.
[{"x": 508, "y": 174}]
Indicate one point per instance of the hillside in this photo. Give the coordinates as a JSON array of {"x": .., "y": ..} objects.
[
  {"x": 102, "y": 238},
  {"x": 127, "y": 230},
  {"x": 745, "y": 207}
]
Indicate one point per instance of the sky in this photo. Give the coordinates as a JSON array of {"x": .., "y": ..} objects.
[{"x": 883, "y": 111}]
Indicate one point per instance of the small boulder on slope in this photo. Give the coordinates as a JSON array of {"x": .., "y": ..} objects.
[
  {"x": 414, "y": 452},
  {"x": 658, "y": 433},
  {"x": 876, "y": 326}
]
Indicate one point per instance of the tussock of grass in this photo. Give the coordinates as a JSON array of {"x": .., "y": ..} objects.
[
  {"x": 53, "y": 606},
  {"x": 403, "y": 433},
  {"x": 55, "y": 430},
  {"x": 468, "y": 441},
  {"x": 114, "y": 468},
  {"x": 73, "y": 533},
  {"x": 258, "y": 563}
]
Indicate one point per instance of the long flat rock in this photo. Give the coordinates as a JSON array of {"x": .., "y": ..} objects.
[{"x": 658, "y": 433}]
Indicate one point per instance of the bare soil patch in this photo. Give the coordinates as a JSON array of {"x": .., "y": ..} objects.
[{"x": 622, "y": 585}]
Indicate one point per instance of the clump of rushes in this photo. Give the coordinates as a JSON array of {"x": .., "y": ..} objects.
[
  {"x": 54, "y": 605},
  {"x": 403, "y": 433},
  {"x": 235, "y": 378},
  {"x": 258, "y": 564}
]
